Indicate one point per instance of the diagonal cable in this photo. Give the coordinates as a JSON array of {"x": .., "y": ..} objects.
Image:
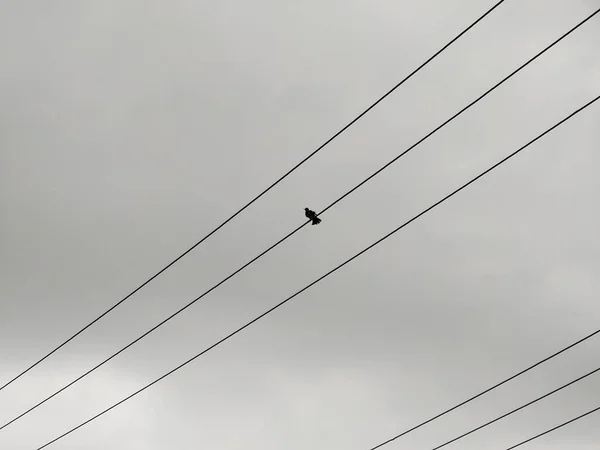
[
  {"x": 165, "y": 268},
  {"x": 301, "y": 226},
  {"x": 564, "y": 386},
  {"x": 564, "y": 424},
  {"x": 335, "y": 269},
  {"x": 488, "y": 390}
]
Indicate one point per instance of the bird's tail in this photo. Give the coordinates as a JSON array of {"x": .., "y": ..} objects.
[{"x": 316, "y": 221}]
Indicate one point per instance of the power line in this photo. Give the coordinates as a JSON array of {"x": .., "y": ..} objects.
[
  {"x": 456, "y": 191},
  {"x": 301, "y": 226},
  {"x": 356, "y": 119},
  {"x": 564, "y": 386},
  {"x": 555, "y": 428},
  {"x": 488, "y": 390}
]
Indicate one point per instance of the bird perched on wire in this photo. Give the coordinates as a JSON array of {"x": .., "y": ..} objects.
[{"x": 312, "y": 216}]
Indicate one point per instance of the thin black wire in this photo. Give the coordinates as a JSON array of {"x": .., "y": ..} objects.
[
  {"x": 456, "y": 191},
  {"x": 481, "y": 394},
  {"x": 555, "y": 428},
  {"x": 257, "y": 197},
  {"x": 518, "y": 409},
  {"x": 304, "y": 224}
]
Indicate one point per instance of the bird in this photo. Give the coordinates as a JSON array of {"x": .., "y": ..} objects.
[{"x": 312, "y": 216}]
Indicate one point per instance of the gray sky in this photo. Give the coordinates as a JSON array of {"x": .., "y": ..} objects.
[{"x": 130, "y": 129}]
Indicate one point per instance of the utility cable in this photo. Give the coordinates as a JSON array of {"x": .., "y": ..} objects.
[
  {"x": 564, "y": 386},
  {"x": 564, "y": 424},
  {"x": 300, "y": 227},
  {"x": 356, "y": 119},
  {"x": 488, "y": 390},
  {"x": 439, "y": 202}
]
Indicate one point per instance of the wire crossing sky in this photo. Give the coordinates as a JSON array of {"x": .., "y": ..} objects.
[
  {"x": 173, "y": 262},
  {"x": 129, "y": 129},
  {"x": 497, "y": 385},
  {"x": 114, "y": 355},
  {"x": 591, "y": 102},
  {"x": 564, "y": 386},
  {"x": 555, "y": 428}
]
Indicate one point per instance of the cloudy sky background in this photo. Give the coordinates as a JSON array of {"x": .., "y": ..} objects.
[{"x": 129, "y": 129}]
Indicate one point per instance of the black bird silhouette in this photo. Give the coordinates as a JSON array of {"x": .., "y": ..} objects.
[{"x": 312, "y": 216}]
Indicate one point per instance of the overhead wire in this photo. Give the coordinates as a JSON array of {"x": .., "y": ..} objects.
[
  {"x": 526, "y": 405},
  {"x": 551, "y": 430},
  {"x": 513, "y": 411},
  {"x": 486, "y": 391},
  {"x": 277, "y": 306},
  {"x": 165, "y": 268},
  {"x": 306, "y": 222}
]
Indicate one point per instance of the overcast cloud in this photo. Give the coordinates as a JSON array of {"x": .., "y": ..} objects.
[{"x": 129, "y": 129}]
